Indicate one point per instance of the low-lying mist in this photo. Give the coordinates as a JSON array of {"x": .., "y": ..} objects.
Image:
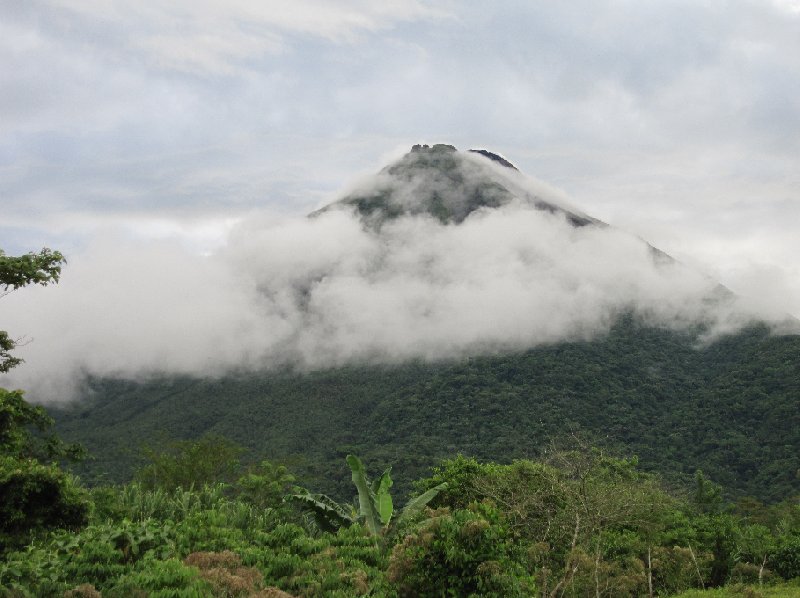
[{"x": 325, "y": 291}]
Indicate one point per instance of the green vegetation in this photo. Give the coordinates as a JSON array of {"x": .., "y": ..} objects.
[
  {"x": 18, "y": 271},
  {"x": 375, "y": 507},
  {"x": 780, "y": 590},
  {"x": 187, "y": 463},
  {"x": 729, "y": 409},
  {"x": 35, "y": 494},
  {"x": 582, "y": 523}
]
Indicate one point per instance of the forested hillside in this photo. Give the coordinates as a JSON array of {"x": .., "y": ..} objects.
[{"x": 729, "y": 409}]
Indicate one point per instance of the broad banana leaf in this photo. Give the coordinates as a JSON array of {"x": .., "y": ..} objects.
[
  {"x": 377, "y": 483},
  {"x": 328, "y": 514},
  {"x": 383, "y": 500},
  {"x": 415, "y": 505},
  {"x": 367, "y": 501}
]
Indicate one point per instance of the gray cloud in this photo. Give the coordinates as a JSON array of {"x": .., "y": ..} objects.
[{"x": 677, "y": 121}]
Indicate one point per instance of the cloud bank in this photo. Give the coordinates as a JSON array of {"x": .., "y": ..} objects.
[
  {"x": 326, "y": 291},
  {"x": 679, "y": 121}
]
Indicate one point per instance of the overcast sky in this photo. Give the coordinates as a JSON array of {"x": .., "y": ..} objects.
[{"x": 176, "y": 119}]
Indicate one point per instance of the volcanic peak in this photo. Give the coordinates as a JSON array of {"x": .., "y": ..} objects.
[{"x": 449, "y": 185}]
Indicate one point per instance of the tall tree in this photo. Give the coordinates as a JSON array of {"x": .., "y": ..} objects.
[
  {"x": 18, "y": 271},
  {"x": 34, "y": 495}
]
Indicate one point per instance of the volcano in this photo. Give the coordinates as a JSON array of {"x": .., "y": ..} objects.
[{"x": 492, "y": 319}]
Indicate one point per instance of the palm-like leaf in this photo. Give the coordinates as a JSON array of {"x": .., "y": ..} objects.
[
  {"x": 367, "y": 501},
  {"x": 383, "y": 500},
  {"x": 328, "y": 514},
  {"x": 416, "y": 504}
]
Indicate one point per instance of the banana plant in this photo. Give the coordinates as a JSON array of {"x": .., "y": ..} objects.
[
  {"x": 375, "y": 508},
  {"x": 328, "y": 514},
  {"x": 374, "y": 501}
]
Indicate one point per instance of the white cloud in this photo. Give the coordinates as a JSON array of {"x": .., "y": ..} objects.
[
  {"x": 170, "y": 120},
  {"x": 217, "y": 37},
  {"x": 791, "y": 6},
  {"x": 325, "y": 291}
]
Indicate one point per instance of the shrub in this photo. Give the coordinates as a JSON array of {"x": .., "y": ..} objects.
[
  {"x": 161, "y": 579},
  {"x": 786, "y": 561},
  {"x": 224, "y": 572},
  {"x": 35, "y": 497},
  {"x": 461, "y": 553}
]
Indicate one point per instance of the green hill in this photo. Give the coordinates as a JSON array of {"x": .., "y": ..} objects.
[{"x": 730, "y": 409}]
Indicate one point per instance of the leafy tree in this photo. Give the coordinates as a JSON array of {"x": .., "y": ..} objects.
[
  {"x": 715, "y": 529},
  {"x": 786, "y": 560},
  {"x": 187, "y": 463},
  {"x": 590, "y": 520},
  {"x": 755, "y": 546},
  {"x": 265, "y": 485},
  {"x": 707, "y": 497},
  {"x": 464, "y": 553},
  {"x": 34, "y": 496},
  {"x": 18, "y": 271},
  {"x": 531, "y": 494},
  {"x": 17, "y": 420}
]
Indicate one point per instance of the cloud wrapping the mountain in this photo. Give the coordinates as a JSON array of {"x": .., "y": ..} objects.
[{"x": 325, "y": 291}]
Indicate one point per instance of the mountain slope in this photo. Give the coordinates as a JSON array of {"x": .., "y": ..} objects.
[
  {"x": 729, "y": 409},
  {"x": 634, "y": 376}
]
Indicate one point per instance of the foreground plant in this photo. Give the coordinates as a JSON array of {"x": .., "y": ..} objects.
[{"x": 375, "y": 507}]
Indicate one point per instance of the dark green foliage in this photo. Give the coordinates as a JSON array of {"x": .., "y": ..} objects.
[
  {"x": 187, "y": 463},
  {"x": 22, "y": 428},
  {"x": 582, "y": 524},
  {"x": 32, "y": 268},
  {"x": 36, "y": 497},
  {"x": 463, "y": 553},
  {"x": 707, "y": 496},
  {"x": 265, "y": 485},
  {"x": 728, "y": 409},
  {"x": 17, "y": 416},
  {"x": 18, "y": 271},
  {"x": 161, "y": 579},
  {"x": 786, "y": 559}
]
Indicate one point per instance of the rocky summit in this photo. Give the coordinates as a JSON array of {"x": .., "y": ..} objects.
[{"x": 449, "y": 185}]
